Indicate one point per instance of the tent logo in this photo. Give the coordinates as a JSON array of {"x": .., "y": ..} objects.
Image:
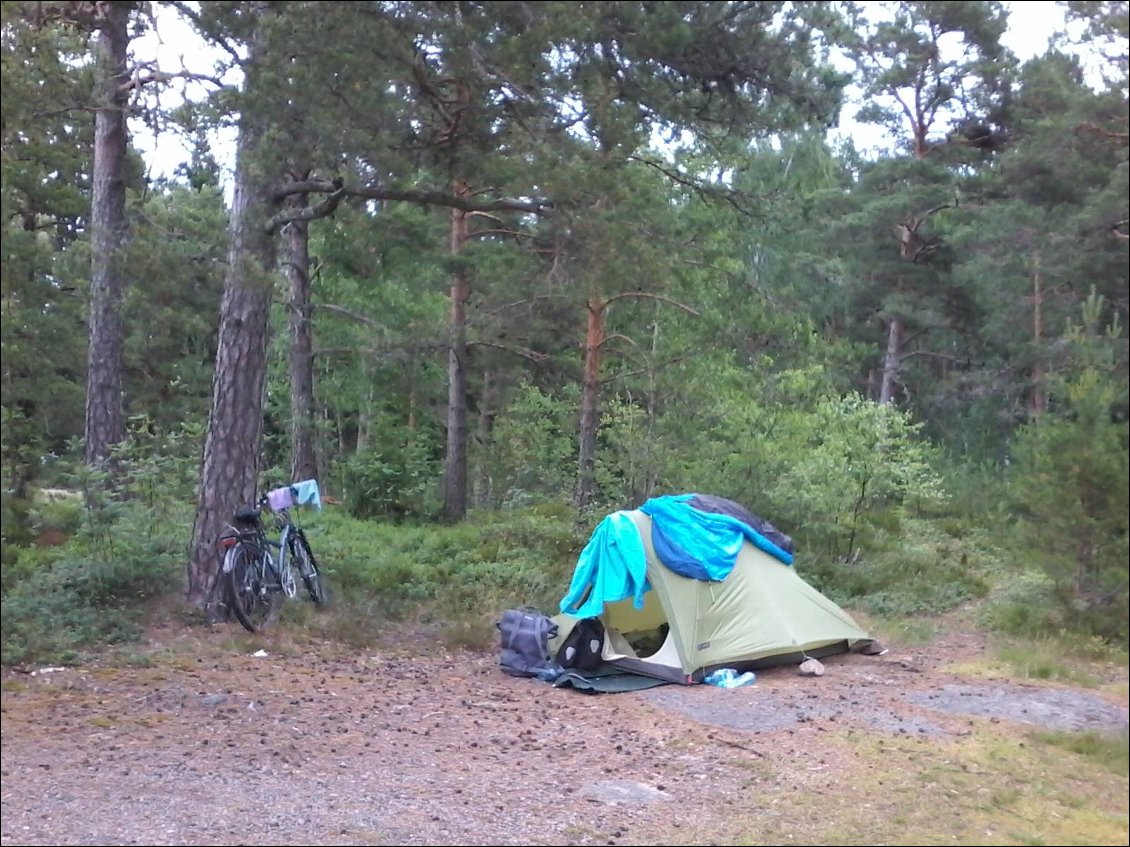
[{"x": 702, "y": 646}]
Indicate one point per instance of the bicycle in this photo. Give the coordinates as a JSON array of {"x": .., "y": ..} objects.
[{"x": 256, "y": 581}]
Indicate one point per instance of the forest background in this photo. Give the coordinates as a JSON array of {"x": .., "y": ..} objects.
[{"x": 489, "y": 271}]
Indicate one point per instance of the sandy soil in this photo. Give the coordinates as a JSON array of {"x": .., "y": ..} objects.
[{"x": 194, "y": 739}]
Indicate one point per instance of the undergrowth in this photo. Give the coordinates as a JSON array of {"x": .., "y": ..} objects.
[{"x": 456, "y": 580}]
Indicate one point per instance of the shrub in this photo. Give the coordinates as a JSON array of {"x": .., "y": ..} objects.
[
  {"x": 908, "y": 568},
  {"x": 76, "y": 601},
  {"x": 394, "y": 480}
]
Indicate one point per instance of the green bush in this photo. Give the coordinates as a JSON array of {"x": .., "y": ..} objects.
[
  {"x": 1025, "y": 604},
  {"x": 490, "y": 562},
  {"x": 118, "y": 554},
  {"x": 852, "y": 463},
  {"x": 909, "y": 567},
  {"x": 62, "y": 514},
  {"x": 1070, "y": 489},
  {"x": 394, "y": 480},
  {"x": 530, "y": 455},
  {"x": 78, "y": 600}
]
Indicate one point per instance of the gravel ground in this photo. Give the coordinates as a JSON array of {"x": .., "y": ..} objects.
[{"x": 204, "y": 744}]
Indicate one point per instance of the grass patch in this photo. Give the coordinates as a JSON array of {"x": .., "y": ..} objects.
[
  {"x": 1046, "y": 659},
  {"x": 989, "y": 788},
  {"x": 454, "y": 580},
  {"x": 900, "y": 632},
  {"x": 1110, "y": 751},
  {"x": 1063, "y": 658}
]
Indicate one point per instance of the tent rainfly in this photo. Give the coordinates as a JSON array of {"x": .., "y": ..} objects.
[{"x": 709, "y": 578}]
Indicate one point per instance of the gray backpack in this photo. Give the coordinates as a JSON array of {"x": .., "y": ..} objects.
[{"x": 525, "y": 635}]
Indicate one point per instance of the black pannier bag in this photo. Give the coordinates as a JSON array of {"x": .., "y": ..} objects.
[{"x": 582, "y": 647}]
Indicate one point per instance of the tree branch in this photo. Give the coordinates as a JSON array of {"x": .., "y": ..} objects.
[
  {"x": 349, "y": 313},
  {"x": 494, "y": 219},
  {"x": 337, "y": 192},
  {"x": 325, "y": 208},
  {"x": 654, "y": 367},
  {"x": 931, "y": 354},
  {"x": 645, "y": 294},
  {"x": 524, "y": 352},
  {"x": 158, "y": 76},
  {"x": 1095, "y": 129},
  {"x": 516, "y": 234},
  {"x": 703, "y": 191},
  {"x": 617, "y": 336}
]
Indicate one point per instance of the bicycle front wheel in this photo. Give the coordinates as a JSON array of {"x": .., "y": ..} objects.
[
  {"x": 302, "y": 557},
  {"x": 253, "y": 594}
]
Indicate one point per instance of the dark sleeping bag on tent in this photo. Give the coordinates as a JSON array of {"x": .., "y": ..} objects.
[
  {"x": 701, "y": 545},
  {"x": 722, "y": 506}
]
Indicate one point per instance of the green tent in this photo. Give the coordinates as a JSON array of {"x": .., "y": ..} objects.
[{"x": 760, "y": 614}]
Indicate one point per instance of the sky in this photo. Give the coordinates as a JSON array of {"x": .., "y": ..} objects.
[
  {"x": 173, "y": 45},
  {"x": 1030, "y": 25}
]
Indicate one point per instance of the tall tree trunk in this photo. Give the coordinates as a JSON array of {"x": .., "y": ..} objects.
[
  {"x": 910, "y": 247},
  {"x": 229, "y": 472},
  {"x": 104, "y": 424},
  {"x": 892, "y": 361},
  {"x": 303, "y": 459},
  {"x": 481, "y": 485},
  {"x": 644, "y": 480},
  {"x": 590, "y": 404},
  {"x": 365, "y": 413},
  {"x": 455, "y": 463},
  {"x": 411, "y": 366},
  {"x": 1039, "y": 401}
]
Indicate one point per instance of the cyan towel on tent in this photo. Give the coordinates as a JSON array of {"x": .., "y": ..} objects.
[
  {"x": 613, "y": 564},
  {"x": 701, "y": 545}
]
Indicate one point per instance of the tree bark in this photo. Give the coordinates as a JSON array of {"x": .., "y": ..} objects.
[
  {"x": 104, "y": 424},
  {"x": 1039, "y": 390},
  {"x": 481, "y": 486},
  {"x": 365, "y": 413},
  {"x": 590, "y": 404},
  {"x": 303, "y": 457},
  {"x": 455, "y": 463},
  {"x": 892, "y": 360},
  {"x": 229, "y": 473}
]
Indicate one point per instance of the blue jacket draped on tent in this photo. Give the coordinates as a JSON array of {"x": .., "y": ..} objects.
[
  {"x": 613, "y": 564},
  {"x": 694, "y": 543}
]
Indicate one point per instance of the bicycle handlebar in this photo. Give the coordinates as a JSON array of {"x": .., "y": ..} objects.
[{"x": 279, "y": 501}]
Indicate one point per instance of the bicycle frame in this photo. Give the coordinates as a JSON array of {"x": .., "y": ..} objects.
[
  {"x": 249, "y": 532},
  {"x": 262, "y": 568},
  {"x": 285, "y": 526},
  {"x": 253, "y": 531}
]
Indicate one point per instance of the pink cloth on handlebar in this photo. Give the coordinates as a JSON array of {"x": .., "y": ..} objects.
[{"x": 280, "y": 498}]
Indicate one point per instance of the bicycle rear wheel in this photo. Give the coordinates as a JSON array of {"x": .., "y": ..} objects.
[
  {"x": 253, "y": 593},
  {"x": 302, "y": 557}
]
